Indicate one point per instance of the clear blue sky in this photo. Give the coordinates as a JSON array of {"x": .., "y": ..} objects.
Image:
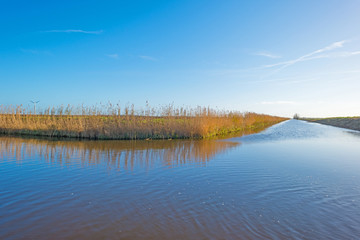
[{"x": 275, "y": 57}]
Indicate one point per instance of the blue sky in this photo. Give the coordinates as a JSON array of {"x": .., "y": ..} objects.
[{"x": 275, "y": 57}]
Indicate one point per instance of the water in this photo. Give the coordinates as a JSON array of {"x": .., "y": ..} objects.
[{"x": 295, "y": 180}]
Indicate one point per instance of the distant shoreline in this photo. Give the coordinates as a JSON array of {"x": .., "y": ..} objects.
[{"x": 352, "y": 123}]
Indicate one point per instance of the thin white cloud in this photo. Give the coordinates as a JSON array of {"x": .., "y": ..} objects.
[
  {"x": 355, "y": 53},
  {"x": 342, "y": 54},
  {"x": 32, "y": 51},
  {"x": 309, "y": 56},
  {"x": 348, "y": 54},
  {"x": 266, "y": 54},
  {"x": 320, "y": 76},
  {"x": 288, "y": 80},
  {"x": 291, "y": 62},
  {"x": 148, "y": 58},
  {"x": 75, "y": 31},
  {"x": 114, "y": 56},
  {"x": 279, "y": 103},
  {"x": 35, "y": 52}
]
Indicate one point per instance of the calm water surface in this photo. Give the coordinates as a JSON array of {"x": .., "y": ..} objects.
[{"x": 295, "y": 180}]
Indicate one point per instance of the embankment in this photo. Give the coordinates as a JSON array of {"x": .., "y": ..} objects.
[{"x": 343, "y": 122}]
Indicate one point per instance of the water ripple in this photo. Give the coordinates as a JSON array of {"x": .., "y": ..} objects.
[{"x": 295, "y": 180}]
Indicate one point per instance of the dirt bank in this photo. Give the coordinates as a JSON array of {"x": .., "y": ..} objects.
[{"x": 344, "y": 122}]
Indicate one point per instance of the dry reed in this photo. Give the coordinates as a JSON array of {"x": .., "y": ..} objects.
[{"x": 113, "y": 122}]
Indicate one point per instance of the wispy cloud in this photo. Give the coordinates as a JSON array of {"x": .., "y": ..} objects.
[
  {"x": 35, "y": 52},
  {"x": 309, "y": 56},
  {"x": 148, "y": 58},
  {"x": 279, "y": 103},
  {"x": 319, "y": 76},
  {"x": 266, "y": 54},
  {"x": 75, "y": 31},
  {"x": 289, "y": 80},
  {"x": 114, "y": 56},
  {"x": 346, "y": 54}
]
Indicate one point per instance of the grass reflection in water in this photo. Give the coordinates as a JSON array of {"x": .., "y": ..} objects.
[{"x": 115, "y": 154}]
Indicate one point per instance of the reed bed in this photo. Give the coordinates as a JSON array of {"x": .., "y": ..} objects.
[{"x": 113, "y": 122}]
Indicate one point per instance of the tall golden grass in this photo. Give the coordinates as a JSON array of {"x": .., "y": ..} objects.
[{"x": 113, "y": 122}]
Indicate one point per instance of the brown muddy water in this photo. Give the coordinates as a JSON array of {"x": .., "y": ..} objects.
[{"x": 295, "y": 180}]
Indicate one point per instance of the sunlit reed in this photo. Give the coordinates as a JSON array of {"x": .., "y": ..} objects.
[{"x": 112, "y": 122}]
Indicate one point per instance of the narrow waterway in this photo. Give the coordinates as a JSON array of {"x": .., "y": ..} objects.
[{"x": 295, "y": 180}]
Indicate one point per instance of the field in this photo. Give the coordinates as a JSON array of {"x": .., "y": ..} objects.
[
  {"x": 344, "y": 122},
  {"x": 113, "y": 122}
]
